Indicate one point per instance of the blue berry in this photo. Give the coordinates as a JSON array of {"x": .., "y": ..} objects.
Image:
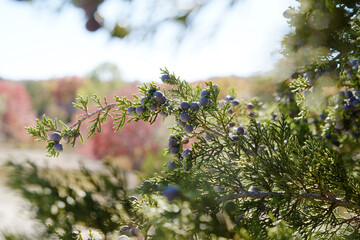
[
  {"x": 251, "y": 114},
  {"x": 356, "y": 67},
  {"x": 187, "y": 165},
  {"x": 66, "y": 136},
  {"x": 158, "y": 96},
  {"x": 234, "y": 138},
  {"x": 235, "y": 102},
  {"x": 171, "y": 192},
  {"x": 288, "y": 13},
  {"x": 355, "y": 103},
  {"x": 184, "y": 116},
  {"x": 194, "y": 106},
  {"x": 204, "y": 101},
  {"x": 348, "y": 94},
  {"x": 180, "y": 123},
  {"x": 230, "y": 111},
  {"x": 172, "y": 143},
  {"x": 55, "y": 136},
  {"x": 140, "y": 109},
  {"x": 322, "y": 116},
  {"x": 171, "y": 166},
  {"x": 133, "y": 198},
  {"x": 229, "y": 98},
  {"x": 131, "y": 110},
  {"x": 240, "y": 131},
  {"x": 165, "y": 78},
  {"x": 174, "y": 150},
  {"x": 187, "y": 153},
  {"x": 147, "y": 185},
  {"x": 328, "y": 135},
  {"x": 250, "y": 106},
  {"x": 162, "y": 100},
  {"x": 152, "y": 107},
  {"x": 188, "y": 128},
  {"x": 125, "y": 230},
  {"x": 142, "y": 100},
  {"x": 232, "y": 124},
  {"x": 58, "y": 147},
  {"x": 184, "y": 105},
  {"x": 205, "y": 93}
]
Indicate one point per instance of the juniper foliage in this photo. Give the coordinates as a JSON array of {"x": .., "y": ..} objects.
[{"x": 292, "y": 174}]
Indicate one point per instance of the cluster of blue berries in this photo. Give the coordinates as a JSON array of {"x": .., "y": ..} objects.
[
  {"x": 205, "y": 98},
  {"x": 240, "y": 131},
  {"x": 350, "y": 102},
  {"x": 235, "y": 103},
  {"x": 175, "y": 146},
  {"x": 347, "y": 111},
  {"x": 56, "y": 137},
  {"x": 186, "y": 115},
  {"x": 153, "y": 100},
  {"x": 188, "y": 111}
]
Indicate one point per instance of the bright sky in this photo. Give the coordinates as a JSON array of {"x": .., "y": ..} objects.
[{"x": 41, "y": 44}]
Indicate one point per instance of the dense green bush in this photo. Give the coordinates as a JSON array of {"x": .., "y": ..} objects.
[{"x": 240, "y": 169}]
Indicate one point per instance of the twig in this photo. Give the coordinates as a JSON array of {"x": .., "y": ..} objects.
[
  {"x": 92, "y": 114},
  {"x": 192, "y": 136}
]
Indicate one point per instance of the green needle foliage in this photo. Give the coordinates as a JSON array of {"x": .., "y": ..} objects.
[{"x": 247, "y": 173}]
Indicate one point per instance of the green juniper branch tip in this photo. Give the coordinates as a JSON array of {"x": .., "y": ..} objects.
[{"x": 89, "y": 115}]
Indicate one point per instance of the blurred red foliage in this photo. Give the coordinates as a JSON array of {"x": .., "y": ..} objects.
[
  {"x": 135, "y": 140},
  {"x": 15, "y": 111},
  {"x": 64, "y": 91}
]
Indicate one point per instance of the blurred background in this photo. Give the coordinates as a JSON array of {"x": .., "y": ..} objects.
[{"x": 51, "y": 51}]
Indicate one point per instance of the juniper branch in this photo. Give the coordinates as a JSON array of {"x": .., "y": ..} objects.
[
  {"x": 316, "y": 196},
  {"x": 88, "y": 115}
]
